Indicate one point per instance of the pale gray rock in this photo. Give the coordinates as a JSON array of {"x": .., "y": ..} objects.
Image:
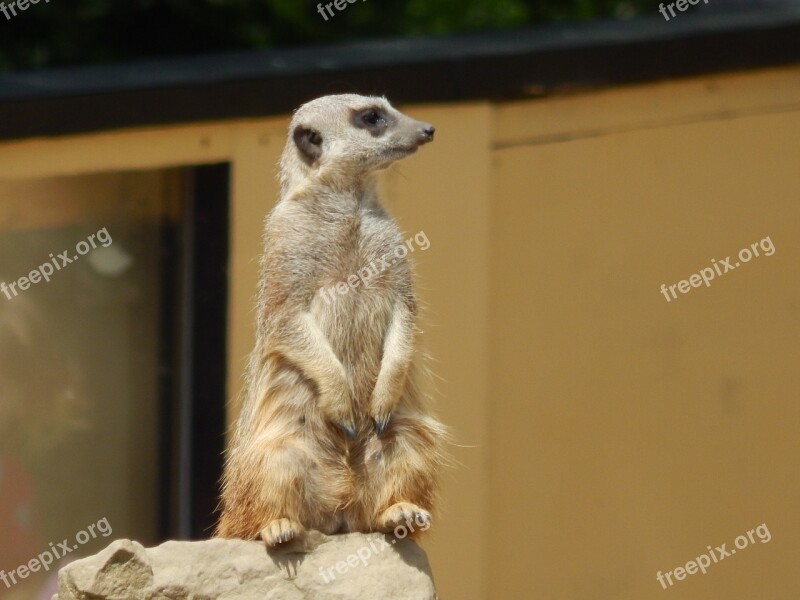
[{"x": 340, "y": 567}]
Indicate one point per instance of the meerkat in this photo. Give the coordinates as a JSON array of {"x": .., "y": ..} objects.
[{"x": 335, "y": 434}]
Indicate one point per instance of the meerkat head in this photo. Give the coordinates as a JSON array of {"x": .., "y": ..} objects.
[{"x": 348, "y": 137}]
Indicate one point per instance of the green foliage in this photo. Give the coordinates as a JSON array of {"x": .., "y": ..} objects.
[{"x": 69, "y": 32}]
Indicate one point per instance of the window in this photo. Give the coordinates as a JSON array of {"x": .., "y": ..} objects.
[{"x": 112, "y": 358}]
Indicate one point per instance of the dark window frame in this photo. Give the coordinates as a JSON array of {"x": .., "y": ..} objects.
[{"x": 194, "y": 356}]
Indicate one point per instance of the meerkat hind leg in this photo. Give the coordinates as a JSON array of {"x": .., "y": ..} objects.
[
  {"x": 402, "y": 513},
  {"x": 281, "y": 531}
]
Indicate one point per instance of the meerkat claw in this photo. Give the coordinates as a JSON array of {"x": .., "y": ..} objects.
[
  {"x": 348, "y": 428},
  {"x": 382, "y": 422},
  {"x": 280, "y": 531}
]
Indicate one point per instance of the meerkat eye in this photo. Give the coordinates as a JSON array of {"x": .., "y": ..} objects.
[{"x": 371, "y": 117}]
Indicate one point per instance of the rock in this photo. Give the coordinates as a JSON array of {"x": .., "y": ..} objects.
[{"x": 318, "y": 567}]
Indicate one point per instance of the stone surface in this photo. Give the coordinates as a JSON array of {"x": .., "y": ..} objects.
[{"x": 358, "y": 566}]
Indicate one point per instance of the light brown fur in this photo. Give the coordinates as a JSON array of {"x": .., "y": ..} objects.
[{"x": 335, "y": 434}]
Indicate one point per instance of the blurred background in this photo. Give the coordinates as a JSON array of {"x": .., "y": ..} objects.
[{"x": 587, "y": 152}]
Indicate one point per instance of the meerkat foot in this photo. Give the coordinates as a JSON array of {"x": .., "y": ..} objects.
[
  {"x": 280, "y": 531},
  {"x": 403, "y": 513}
]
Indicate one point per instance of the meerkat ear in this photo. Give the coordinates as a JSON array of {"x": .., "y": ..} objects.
[{"x": 309, "y": 142}]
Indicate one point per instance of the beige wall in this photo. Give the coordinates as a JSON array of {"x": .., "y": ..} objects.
[
  {"x": 603, "y": 433},
  {"x": 629, "y": 433}
]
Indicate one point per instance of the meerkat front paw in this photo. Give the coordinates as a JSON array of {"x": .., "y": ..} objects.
[
  {"x": 281, "y": 531},
  {"x": 381, "y": 421},
  {"x": 381, "y": 408},
  {"x": 403, "y": 513},
  {"x": 337, "y": 408}
]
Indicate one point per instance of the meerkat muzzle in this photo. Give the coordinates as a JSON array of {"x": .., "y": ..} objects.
[{"x": 427, "y": 133}]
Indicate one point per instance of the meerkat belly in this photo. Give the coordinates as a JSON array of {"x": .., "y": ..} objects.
[{"x": 355, "y": 325}]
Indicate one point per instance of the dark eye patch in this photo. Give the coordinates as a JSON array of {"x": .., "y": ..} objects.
[{"x": 372, "y": 119}]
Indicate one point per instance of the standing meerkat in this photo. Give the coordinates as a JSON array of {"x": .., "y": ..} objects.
[{"x": 334, "y": 434}]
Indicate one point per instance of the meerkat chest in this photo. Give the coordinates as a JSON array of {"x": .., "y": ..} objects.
[
  {"x": 360, "y": 285},
  {"x": 366, "y": 266}
]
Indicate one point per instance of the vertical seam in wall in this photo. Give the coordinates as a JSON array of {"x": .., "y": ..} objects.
[{"x": 487, "y": 346}]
